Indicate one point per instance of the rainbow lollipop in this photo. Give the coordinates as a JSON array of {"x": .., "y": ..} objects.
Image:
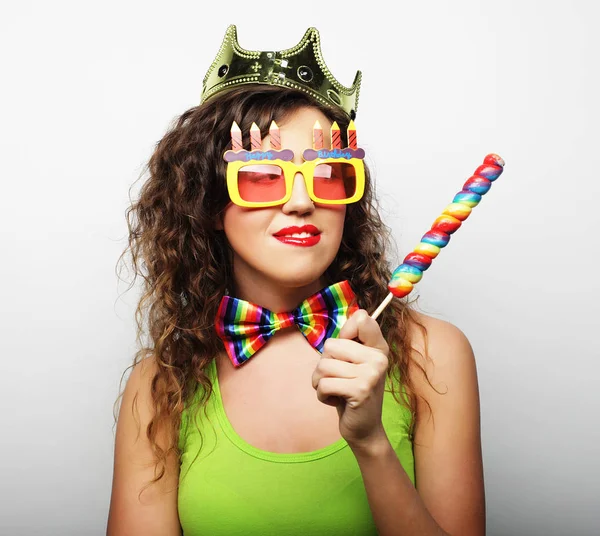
[{"x": 410, "y": 272}]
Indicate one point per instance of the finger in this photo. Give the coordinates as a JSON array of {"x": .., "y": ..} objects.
[
  {"x": 347, "y": 350},
  {"x": 364, "y": 328},
  {"x": 335, "y": 368},
  {"x": 332, "y": 368},
  {"x": 330, "y": 390}
]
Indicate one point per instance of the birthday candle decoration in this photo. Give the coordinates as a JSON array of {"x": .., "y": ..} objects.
[
  {"x": 336, "y": 139},
  {"x": 352, "y": 135},
  {"x": 255, "y": 139},
  {"x": 317, "y": 136},
  {"x": 236, "y": 138},
  {"x": 415, "y": 263},
  {"x": 275, "y": 136}
]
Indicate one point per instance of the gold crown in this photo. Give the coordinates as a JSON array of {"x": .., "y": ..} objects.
[{"x": 301, "y": 67}]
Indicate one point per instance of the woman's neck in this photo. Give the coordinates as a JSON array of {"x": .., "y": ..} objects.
[{"x": 277, "y": 296}]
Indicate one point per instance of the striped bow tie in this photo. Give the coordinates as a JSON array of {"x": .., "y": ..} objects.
[{"x": 245, "y": 327}]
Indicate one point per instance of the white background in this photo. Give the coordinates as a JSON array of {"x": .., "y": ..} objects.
[{"x": 88, "y": 89}]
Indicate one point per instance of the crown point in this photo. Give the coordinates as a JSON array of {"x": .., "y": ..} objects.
[
  {"x": 317, "y": 124},
  {"x": 273, "y": 125},
  {"x": 235, "y": 128},
  {"x": 335, "y": 126},
  {"x": 254, "y": 126}
]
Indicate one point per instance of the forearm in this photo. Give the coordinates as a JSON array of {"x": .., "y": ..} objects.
[{"x": 395, "y": 504}]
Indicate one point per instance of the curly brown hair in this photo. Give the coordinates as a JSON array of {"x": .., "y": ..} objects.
[{"x": 186, "y": 266}]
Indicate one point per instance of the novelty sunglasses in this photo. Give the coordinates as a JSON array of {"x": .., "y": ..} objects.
[{"x": 259, "y": 178}]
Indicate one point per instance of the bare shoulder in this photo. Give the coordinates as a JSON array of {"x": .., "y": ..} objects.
[
  {"x": 152, "y": 511},
  {"x": 447, "y": 437},
  {"x": 443, "y": 352}
]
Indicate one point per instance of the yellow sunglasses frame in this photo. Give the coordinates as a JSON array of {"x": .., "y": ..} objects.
[{"x": 289, "y": 172}]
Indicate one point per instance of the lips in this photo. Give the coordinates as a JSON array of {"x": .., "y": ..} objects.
[
  {"x": 311, "y": 237},
  {"x": 287, "y": 231}
]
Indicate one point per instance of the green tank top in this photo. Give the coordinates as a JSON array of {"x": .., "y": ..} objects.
[{"x": 228, "y": 487}]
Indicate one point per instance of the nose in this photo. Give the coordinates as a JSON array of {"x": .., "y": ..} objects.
[{"x": 300, "y": 201}]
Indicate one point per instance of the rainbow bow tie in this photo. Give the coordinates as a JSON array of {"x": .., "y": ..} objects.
[{"x": 245, "y": 327}]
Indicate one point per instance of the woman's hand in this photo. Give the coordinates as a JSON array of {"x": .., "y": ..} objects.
[{"x": 351, "y": 376}]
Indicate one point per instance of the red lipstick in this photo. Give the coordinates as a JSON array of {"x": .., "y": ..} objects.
[{"x": 284, "y": 235}]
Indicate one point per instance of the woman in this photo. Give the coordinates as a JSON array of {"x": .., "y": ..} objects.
[{"x": 355, "y": 438}]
